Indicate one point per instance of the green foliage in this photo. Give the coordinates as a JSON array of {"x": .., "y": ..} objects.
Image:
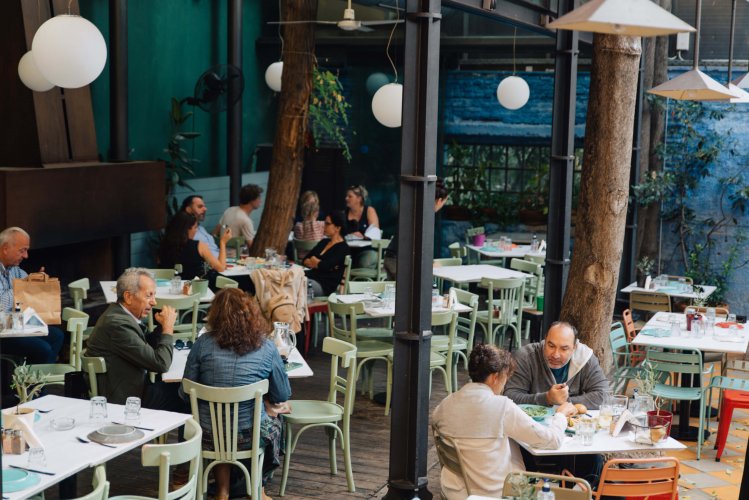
[
  {"x": 328, "y": 111},
  {"x": 645, "y": 265},
  {"x": 180, "y": 163},
  {"x": 27, "y": 383},
  {"x": 708, "y": 244}
]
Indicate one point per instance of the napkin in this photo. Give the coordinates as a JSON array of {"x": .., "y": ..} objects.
[
  {"x": 22, "y": 424},
  {"x": 542, "y": 246},
  {"x": 656, "y": 332},
  {"x": 373, "y": 233},
  {"x": 729, "y": 324}
]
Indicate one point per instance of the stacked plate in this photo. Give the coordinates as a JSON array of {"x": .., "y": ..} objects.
[{"x": 115, "y": 434}]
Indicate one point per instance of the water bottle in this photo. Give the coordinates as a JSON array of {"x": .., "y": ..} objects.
[
  {"x": 534, "y": 243},
  {"x": 17, "y": 318},
  {"x": 545, "y": 493},
  {"x": 436, "y": 297},
  {"x": 310, "y": 293}
]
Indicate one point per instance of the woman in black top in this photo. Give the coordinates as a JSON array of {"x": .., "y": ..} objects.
[
  {"x": 179, "y": 247},
  {"x": 359, "y": 215},
  {"x": 325, "y": 260}
]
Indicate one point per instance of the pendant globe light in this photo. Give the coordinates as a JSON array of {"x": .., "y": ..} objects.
[
  {"x": 387, "y": 102},
  {"x": 274, "y": 72},
  {"x": 30, "y": 75},
  {"x": 69, "y": 51},
  {"x": 513, "y": 92},
  {"x": 694, "y": 85},
  {"x": 622, "y": 17},
  {"x": 735, "y": 88}
]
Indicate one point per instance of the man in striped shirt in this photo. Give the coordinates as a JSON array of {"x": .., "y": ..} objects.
[{"x": 14, "y": 247}]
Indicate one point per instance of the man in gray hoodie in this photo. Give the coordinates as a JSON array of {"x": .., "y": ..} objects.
[{"x": 556, "y": 371}]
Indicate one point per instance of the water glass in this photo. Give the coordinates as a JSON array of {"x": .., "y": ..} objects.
[
  {"x": 675, "y": 328},
  {"x": 642, "y": 404},
  {"x": 586, "y": 429},
  {"x": 98, "y": 410},
  {"x": 389, "y": 296},
  {"x": 132, "y": 410},
  {"x": 175, "y": 286},
  {"x": 618, "y": 404},
  {"x": 605, "y": 415},
  {"x": 37, "y": 457}
]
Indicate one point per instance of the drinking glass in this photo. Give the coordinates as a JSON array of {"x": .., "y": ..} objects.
[
  {"x": 642, "y": 404},
  {"x": 132, "y": 410},
  {"x": 731, "y": 320},
  {"x": 389, "y": 296},
  {"x": 37, "y": 457},
  {"x": 98, "y": 411},
  {"x": 175, "y": 287},
  {"x": 605, "y": 415},
  {"x": 675, "y": 328},
  {"x": 586, "y": 429},
  {"x": 618, "y": 404}
]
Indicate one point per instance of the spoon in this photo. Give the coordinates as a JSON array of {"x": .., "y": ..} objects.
[{"x": 84, "y": 440}]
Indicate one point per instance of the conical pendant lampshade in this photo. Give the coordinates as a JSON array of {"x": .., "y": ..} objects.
[
  {"x": 694, "y": 85},
  {"x": 622, "y": 17}
]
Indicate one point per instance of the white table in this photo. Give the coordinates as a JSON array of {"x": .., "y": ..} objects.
[
  {"x": 708, "y": 343},
  {"x": 240, "y": 270},
  {"x": 672, "y": 290},
  {"x": 66, "y": 456},
  {"x": 603, "y": 442},
  {"x": 162, "y": 292},
  {"x": 519, "y": 251},
  {"x": 474, "y": 273},
  {"x": 359, "y": 243},
  {"x": 380, "y": 311},
  {"x": 39, "y": 329},
  {"x": 179, "y": 359}
]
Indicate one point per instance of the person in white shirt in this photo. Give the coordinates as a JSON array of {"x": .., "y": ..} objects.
[
  {"x": 484, "y": 426},
  {"x": 238, "y": 218},
  {"x": 195, "y": 205}
]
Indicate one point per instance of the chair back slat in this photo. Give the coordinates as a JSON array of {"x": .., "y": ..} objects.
[
  {"x": 78, "y": 290},
  {"x": 649, "y": 301},
  {"x": 342, "y": 355},
  {"x": 655, "y": 476},
  {"x": 687, "y": 361}
]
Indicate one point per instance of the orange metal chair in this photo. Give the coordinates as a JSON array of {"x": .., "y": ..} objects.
[
  {"x": 735, "y": 394},
  {"x": 636, "y": 483}
]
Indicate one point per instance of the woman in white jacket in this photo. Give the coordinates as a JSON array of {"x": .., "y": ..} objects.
[{"x": 484, "y": 426}]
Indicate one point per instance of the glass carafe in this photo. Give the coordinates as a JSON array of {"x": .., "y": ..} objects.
[{"x": 284, "y": 338}]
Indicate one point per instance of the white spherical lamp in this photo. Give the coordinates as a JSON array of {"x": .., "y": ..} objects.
[
  {"x": 513, "y": 92},
  {"x": 273, "y": 76},
  {"x": 69, "y": 51},
  {"x": 30, "y": 75},
  {"x": 387, "y": 104},
  {"x": 375, "y": 81}
]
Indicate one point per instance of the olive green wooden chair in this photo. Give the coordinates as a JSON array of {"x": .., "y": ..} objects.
[
  {"x": 235, "y": 244},
  {"x": 466, "y": 325},
  {"x": 164, "y": 456},
  {"x": 376, "y": 274},
  {"x": 329, "y": 414},
  {"x": 77, "y": 322},
  {"x": 507, "y": 295},
  {"x": 224, "y": 282},
  {"x": 532, "y": 287},
  {"x": 163, "y": 274},
  {"x": 385, "y": 331},
  {"x": 302, "y": 247},
  {"x": 93, "y": 366},
  {"x": 342, "y": 321},
  {"x": 78, "y": 291},
  {"x": 223, "y": 404},
  {"x": 190, "y": 303},
  {"x": 100, "y": 485},
  {"x": 346, "y": 273}
]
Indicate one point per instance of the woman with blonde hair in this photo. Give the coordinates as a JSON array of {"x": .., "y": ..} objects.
[
  {"x": 236, "y": 351},
  {"x": 309, "y": 228}
]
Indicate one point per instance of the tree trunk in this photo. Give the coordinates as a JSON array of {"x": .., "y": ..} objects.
[
  {"x": 285, "y": 177},
  {"x": 599, "y": 233},
  {"x": 649, "y": 216}
]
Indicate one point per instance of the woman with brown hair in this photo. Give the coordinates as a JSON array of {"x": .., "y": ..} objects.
[
  {"x": 484, "y": 426},
  {"x": 236, "y": 351}
]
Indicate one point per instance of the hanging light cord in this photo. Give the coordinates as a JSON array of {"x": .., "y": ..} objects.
[
  {"x": 514, "y": 36},
  {"x": 280, "y": 18},
  {"x": 390, "y": 39},
  {"x": 70, "y": 2}
]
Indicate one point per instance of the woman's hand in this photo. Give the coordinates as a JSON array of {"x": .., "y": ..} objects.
[
  {"x": 226, "y": 235},
  {"x": 567, "y": 409},
  {"x": 311, "y": 262}
]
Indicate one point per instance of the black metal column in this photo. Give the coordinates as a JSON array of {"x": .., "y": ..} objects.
[
  {"x": 118, "y": 117},
  {"x": 410, "y": 403},
  {"x": 561, "y": 166},
  {"x": 234, "y": 113}
]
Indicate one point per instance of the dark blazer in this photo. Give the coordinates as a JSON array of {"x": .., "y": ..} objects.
[{"x": 118, "y": 338}]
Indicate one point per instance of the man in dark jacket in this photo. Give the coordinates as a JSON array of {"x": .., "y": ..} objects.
[{"x": 120, "y": 338}]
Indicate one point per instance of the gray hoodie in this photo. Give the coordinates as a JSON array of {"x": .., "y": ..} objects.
[{"x": 532, "y": 378}]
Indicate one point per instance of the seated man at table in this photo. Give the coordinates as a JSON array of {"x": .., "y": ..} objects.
[
  {"x": 238, "y": 218},
  {"x": 14, "y": 248},
  {"x": 120, "y": 338},
  {"x": 559, "y": 370},
  {"x": 195, "y": 205}
]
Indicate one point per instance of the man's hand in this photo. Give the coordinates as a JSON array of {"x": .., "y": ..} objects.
[
  {"x": 558, "y": 394},
  {"x": 567, "y": 409},
  {"x": 226, "y": 235},
  {"x": 166, "y": 318}
]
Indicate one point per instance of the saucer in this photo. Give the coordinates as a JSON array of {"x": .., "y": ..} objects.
[{"x": 18, "y": 479}]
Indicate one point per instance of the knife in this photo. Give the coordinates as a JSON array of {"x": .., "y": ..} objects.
[
  {"x": 32, "y": 470},
  {"x": 134, "y": 426}
]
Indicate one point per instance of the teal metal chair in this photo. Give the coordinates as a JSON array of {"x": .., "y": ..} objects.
[
  {"x": 626, "y": 361},
  {"x": 507, "y": 295},
  {"x": 329, "y": 414},
  {"x": 685, "y": 363}
]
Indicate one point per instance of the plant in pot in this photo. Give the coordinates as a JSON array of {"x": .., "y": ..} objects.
[
  {"x": 658, "y": 420},
  {"x": 644, "y": 268},
  {"x": 27, "y": 383}
]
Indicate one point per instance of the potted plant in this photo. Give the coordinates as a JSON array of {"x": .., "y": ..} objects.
[
  {"x": 648, "y": 378},
  {"x": 644, "y": 268},
  {"x": 27, "y": 383}
]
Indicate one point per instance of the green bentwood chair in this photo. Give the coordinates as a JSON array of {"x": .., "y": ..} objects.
[
  {"x": 507, "y": 295},
  {"x": 336, "y": 418}
]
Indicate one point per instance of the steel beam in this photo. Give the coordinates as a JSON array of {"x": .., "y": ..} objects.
[
  {"x": 518, "y": 13},
  {"x": 234, "y": 113},
  {"x": 561, "y": 167},
  {"x": 412, "y": 340}
]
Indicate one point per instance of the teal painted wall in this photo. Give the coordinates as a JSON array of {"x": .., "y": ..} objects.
[{"x": 171, "y": 43}]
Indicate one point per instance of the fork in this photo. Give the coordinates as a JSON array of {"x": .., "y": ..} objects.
[
  {"x": 45, "y": 411},
  {"x": 84, "y": 440}
]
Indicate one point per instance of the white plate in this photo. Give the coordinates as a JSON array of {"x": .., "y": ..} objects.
[{"x": 116, "y": 430}]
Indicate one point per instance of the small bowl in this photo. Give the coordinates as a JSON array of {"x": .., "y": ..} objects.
[{"x": 62, "y": 423}]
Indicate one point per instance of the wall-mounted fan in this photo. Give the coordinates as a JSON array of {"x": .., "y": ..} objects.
[
  {"x": 347, "y": 23},
  {"x": 212, "y": 88}
]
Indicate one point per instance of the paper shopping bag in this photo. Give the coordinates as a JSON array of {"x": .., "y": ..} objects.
[{"x": 40, "y": 291}]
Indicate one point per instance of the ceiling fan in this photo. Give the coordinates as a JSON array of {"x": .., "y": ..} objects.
[{"x": 348, "y": 23}]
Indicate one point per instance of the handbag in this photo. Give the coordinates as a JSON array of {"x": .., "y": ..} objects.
[{"x": 42, "y": 293}]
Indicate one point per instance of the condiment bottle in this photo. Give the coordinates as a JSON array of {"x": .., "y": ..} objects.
[{"x": 18, "y": 443}]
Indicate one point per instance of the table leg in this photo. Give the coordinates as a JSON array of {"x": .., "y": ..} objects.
[
  {"x": 68, "y": 487},
  {"x": 685, "y": 432}
]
